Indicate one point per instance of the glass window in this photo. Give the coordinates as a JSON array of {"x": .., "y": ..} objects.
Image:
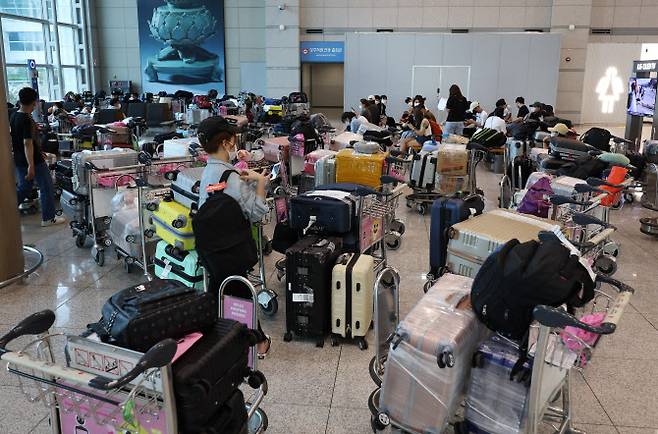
[
  {"x": 67, "y": 45},
  {"x": 65, "y": 11},
  {"x": 25, "y": 8},
  {"x": 23, "y": 40},
  {"x": 70, "y": 80},
  {"x": 17, "y": 78}
]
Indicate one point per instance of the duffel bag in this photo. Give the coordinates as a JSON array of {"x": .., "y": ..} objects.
[{"x": 489, "y": 138}]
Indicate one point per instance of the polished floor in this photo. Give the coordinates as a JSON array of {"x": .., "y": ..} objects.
[{"x": 325, "y": 390}]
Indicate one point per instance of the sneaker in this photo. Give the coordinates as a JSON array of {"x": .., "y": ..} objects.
[{"x": 56, "y": 221}]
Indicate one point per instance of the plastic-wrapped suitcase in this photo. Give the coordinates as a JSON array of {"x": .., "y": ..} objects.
[
  {"x": 173, "y": 224},
  {"x": 172, "y": 263},
  {"x": 186, "y": 187},
  {"x": 64, "y": 175},
  {"x": 275, "y": 148},
  {"x": 330, "y": 211},
  {"x": 101, "y": 160},
  {"x": 430, "y": 358},
  {"x": 353, "y": 279},
  {"x": 209, "y": 372},
  {"x": 309, "y": 266},
  {"x": 363, "y": 169},
  {"x": 516, "y": 148},
  {"x": 124, "y": 231},
  {"x": 445, "y": 213},
  {"x": 325, "y": 171},
  {"x": 561, "y": 185},
  {"x": 313, "y": 157},
  {"x": 345, "y": 140},
  {"x": 423, "y": 170},
  {"x": 73, "y": 206},
  {"x": 452, "y": 159},
  {"x": 451, "y": 185},
  {"x": 231, "y": 417},
  {"x": 569, "y": 149},
  {"x": 650, "y": 194},
  {"x": 472, "y": 241}
]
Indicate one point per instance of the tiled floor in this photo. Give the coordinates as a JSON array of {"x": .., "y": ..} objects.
[{"x": 325, "y": 390}]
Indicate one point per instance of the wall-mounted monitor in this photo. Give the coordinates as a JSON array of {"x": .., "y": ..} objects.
[{"x": 642, "y": 96}]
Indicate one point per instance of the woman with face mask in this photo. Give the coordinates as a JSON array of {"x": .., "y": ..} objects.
[{"x": 247, "y": 187}]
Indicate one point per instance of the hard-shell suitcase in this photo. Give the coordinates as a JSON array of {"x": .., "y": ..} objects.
[
  {"x": 569, "y": 149},
  {"x": 539, "y": 136},
  {"x": 445, "y": 213},
  {"x": 516, "y": 148},
  {"x": 237, "y": 121},
  {"x": 313, "y": 157},
  {"x": 345, "y": 140},
  {"x": 99, "y": 160},
  {"x": 173, "y": 223},
  {"x": 561, "y": 185},
  {"x": 172, "y": 263},
  {"x": 186, "y": 186},
  {"x": 64, "y": 175},
  {"x": 363, "y": 169},
  {"x": 423, "y": 170},
  {"x": 472, "y": 241},
  {"x": 650, "y": 194},
  {"x": 325, "y": 171},
  {"x": 231, "y": 418},
  {"x": 275, "y": 148},
  {"x": 73, "y": 206},
  {"x": 353, "y": 279},
  {"x": 452, "y": 159},
  {"x": 124, "y": 232},
  {"x": 208, "y": 373},
  {"x": 330, "y": 211},
  {"x": 309, "y": 266},
  {"x": 430, "y": 358}
]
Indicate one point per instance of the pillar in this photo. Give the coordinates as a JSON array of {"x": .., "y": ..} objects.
[{"x": 282, "y": 64}]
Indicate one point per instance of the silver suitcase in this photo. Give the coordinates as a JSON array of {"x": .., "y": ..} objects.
[
  {"x": 516, "y": 148},
  {"x": 650, "y": 195},
  {"x": 325, "y": 170},
  {"x": 124, "y": 232},
  {"x": 186, "y": 187},
  {"x": 73, "y": 206},
  {"x": 472, "y": 241},
  {"x": 117, "y": 157},
  {"x": 423, "y": 170}
]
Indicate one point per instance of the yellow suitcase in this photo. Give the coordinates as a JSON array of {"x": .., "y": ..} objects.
[
  {"x": 173, "y": 224},
  {"x": 363, "y": 169}
]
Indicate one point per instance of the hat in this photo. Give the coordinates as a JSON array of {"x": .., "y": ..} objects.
[
  {"x": 474, "y": 105},
  {"x": 212, "y": 126},
  {"x": 560, "y": 128},
  {"x": 536, "y": 104},
  {"x": 371, "y": 97}
]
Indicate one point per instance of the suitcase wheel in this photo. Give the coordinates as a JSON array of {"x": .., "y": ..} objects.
[
  {"x": 380, "y": 422},
  {"x": 362, "y": 343},
  {"x": 334, "y": 341},
  {"x": 178, "y": 223},
  {"x": 152, "y": 206},
  {"x": 287, "y": 337}
]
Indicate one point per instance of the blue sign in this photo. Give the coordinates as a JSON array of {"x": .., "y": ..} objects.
[
  {"x": 322, "y": 52},
  {"x": 33, "y": 74}
]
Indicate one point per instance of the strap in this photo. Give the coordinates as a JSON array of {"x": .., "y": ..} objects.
[
  {"x": 225, "y": 175},
  {"x": 523, "y": 355}
]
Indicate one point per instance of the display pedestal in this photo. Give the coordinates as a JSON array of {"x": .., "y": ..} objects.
[{"x": 177, "y": 71}]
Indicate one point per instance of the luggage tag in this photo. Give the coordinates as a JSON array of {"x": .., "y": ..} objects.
[{"x": 166, "y": 270}]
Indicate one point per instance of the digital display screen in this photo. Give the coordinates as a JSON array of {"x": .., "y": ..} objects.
[{"x": 642, "y": 96}]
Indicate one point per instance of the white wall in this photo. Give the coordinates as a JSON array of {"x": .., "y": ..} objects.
[
  {"x": 382, "y": 63},
  {"x": 600, "y": 57}
]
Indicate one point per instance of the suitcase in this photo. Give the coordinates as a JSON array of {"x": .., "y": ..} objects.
[
  {"x": 64, "y": 175},
  {"x": 363, "y": 169},
  {"x": 73, "y": 206},
  {"x": 178, "y": 148},
  {"x": 313, "y": 157},
  {"x": 183, "y": 266},
  {"x": 423, "y": 170},
  {"x": 561, "y": 185},
  {"x": 275, "y": 148},
  {"x": 237, "y": 121},
  {"x": 452, "y": 160},
  {"x": 447, "y": 185},
  {"x": 569, "y": 149},
  {"x": 173, "y": 224},
  {"x": 353, "y": 279},
  {"x": 539, "y": 137},
  {"x": 345, "y": 140},
  {"x": 100, "y": 160},
  {"x": 208, "y": 373},
  {"x": 426, "y": 372},
  {"x": 472, "y": 241},
  {"x": 519, "y": 171},
  {"x": 231, "y": 418},
  {"x": 125, "y": 232},
  {"x": 186, "y": 187},
  {"x": 597, "y": 137},
  {"x": 456, "y": 139},
  {"x": 333, "y": 211},
  {"x": 309, "y": 266},
  {"x": 516, "y": 148},
  {"x": 650, "y": 193},
  {"x": 325, "y": 171},
  {"x": 445, "y": 213}
]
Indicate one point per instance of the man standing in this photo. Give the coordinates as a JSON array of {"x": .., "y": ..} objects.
[{"x": 30, "y": 164}]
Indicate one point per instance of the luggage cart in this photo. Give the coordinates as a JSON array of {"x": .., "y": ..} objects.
[
  {"x": 125, "y": 391},
  {"x": 267, "y": 298},
  {"x": 559, "y": 350}
]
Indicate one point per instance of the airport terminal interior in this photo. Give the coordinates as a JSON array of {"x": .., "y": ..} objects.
[{"x": 328, "y": 216}]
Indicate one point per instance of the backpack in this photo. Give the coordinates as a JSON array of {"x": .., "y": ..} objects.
[
  {"x": 489, "y": 138},
  {"x": 534, "y": 202},
  {"x": 223, "y": 234},
  {"x": 597, "y": 137},
  {"x": 583, "y": 168}
]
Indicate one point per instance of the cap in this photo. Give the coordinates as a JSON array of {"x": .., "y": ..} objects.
[
  {"x": 536, "y": 104},
  {"x": 212, "y": 126},
  {"x": 560, "y": 128},
  {"x": 474, "y": 104},
  {"x": 371, "y": 97}
]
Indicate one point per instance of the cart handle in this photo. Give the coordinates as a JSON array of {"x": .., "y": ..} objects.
[
  {"x": 600, "y": 182},
  {"x": 586, "y": 219},
  {"x": 556, "y": 317},
  {"x": 586, "y": 188},
  {"x": 160, "y": 354},
  {"x": 355, "y": 189},
  {"x": 34, "y": 324},
  {"x": 563, "y": 200}
]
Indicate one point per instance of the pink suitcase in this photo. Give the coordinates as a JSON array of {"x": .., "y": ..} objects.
[
  {"x": 313, "y": 157},
  {"x": 275, "y": 148}
]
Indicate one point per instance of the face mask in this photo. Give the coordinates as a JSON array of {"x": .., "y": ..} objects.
[
  {"x": 384, "y": 101},
  {"x": 416, "y": 104}
]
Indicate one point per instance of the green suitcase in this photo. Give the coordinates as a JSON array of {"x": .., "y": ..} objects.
[{"x": 173, "y": 263}]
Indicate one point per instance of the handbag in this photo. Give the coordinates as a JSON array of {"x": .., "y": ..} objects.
[{"x": 141, "y": 316}]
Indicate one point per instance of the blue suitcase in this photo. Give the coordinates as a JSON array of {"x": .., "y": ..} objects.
[
  {"x": 329, "y": 214},
  {"x": 445, "y": 213}
]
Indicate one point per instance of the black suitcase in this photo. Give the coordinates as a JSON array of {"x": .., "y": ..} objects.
[
  {"x": 231, "y": 418},
  {"x": 309, "y": 266},
  {"x": 597, "y": 137},
  {"x": 64, "y": 175},
  {"x": 569, "y": 149},
  {"x": 331, "y": 215},
  {"x": 206, "y": 375},
  {"x": 523, "y": 168}
]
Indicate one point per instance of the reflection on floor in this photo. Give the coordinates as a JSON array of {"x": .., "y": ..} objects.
[{"x": 325, "y": 390}]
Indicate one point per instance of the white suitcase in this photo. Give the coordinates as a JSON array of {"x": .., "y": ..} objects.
[
  {"x": 352, "y": 296},
  {"x": 344, "y": 140},
  {"x": 117, "y": 157},
  {"x": 423, "y": 171},
  {"x": 325, "y": 170},
  {"x": 516, "y": 148}
]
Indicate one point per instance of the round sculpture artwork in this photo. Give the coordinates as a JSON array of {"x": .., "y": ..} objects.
[{"x": 182, "y": 26}]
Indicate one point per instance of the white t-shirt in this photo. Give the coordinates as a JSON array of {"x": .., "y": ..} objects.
[
  {"x": 496, "y": 123},
  {"x": 480, "y": 118}
]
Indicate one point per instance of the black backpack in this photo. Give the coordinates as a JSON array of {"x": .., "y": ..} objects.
[
  {"x": 224, "y": 240},
  {"x": 520, "y": 276},
  {"x": 597, "y": 137},
  {"x": 583, "y": 168}
]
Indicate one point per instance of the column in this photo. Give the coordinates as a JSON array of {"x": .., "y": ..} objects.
[
  {"x": 572, "y": 19},
  {"x": 282, "y": 65}
]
